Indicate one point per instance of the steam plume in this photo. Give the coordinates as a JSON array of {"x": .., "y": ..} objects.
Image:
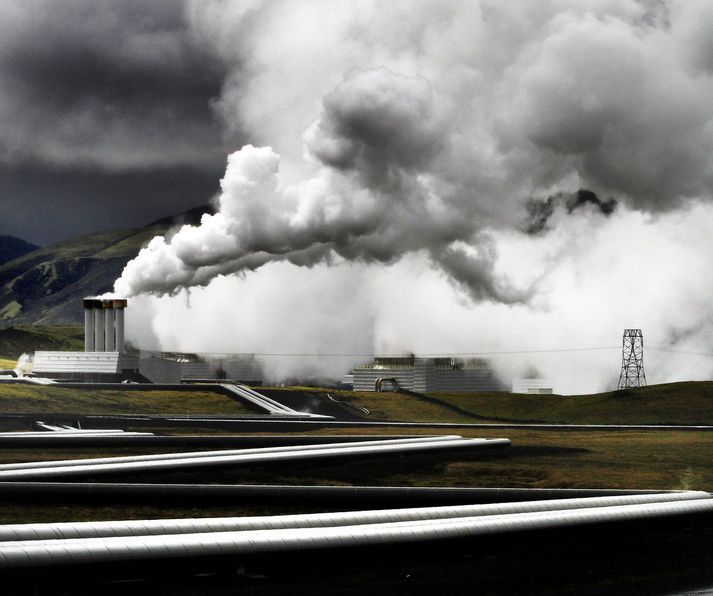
[{"x": 418, "y": 131}]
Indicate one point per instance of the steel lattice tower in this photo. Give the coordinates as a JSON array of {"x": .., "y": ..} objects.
[{"x": 632, "y": 360}]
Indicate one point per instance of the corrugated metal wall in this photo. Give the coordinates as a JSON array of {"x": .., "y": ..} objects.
[
  {"x": 46, "y": 362},
  {"x": 365, "y": 378},
  {"x": 426, "y": 375}
]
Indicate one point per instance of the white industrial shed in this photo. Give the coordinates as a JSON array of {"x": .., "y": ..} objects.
[{"x": 426, "y": 374}]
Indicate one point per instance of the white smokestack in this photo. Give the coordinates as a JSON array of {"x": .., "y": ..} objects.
[
  {"x": 104, "y": 324},
  {"x": 88, "y": 326},
  {"x": 98, "y": 328},
  {"x": 109, "y": 336},
  {"x": 119, "y": 329}
]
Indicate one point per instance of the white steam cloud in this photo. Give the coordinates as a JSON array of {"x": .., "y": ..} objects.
[{"x": 410, "y": 135}]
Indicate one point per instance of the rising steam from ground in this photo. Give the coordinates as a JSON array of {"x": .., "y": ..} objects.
[{"x": 396, "y": 146}]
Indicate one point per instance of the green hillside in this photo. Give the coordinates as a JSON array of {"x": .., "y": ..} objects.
[
  {"x": 20, "y": 398},
  {"x": 672, "y": 403},
  {"x": 15, "y": 341},
  {"x": 46, "y": 285},
  {"x": 689, "y": 402},
  {"x": 13, "y": 248}
]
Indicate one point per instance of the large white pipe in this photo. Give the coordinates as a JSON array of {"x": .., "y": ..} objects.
[
  {"x": 260, "y": 400},
  {"x": 125, "y": 548},
  {"x": 301, "y": 454},
  {"x": 154, "y": 527},
  {"x": 222, "y": 452}
]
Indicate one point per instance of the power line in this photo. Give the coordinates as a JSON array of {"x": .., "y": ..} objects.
[
  {"x": 429, "y": 355},
  {"x": 372, "y": 354}
]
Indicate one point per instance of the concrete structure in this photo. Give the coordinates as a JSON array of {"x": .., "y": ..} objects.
[
  {"x": 164, "y": 367},
  {"x": 104, "y": 359},
  {"x": 532, "y": 386},
  {"x": 426, "y": 374},
  {"x": 160, "y": 370},
  {"x": 91, "y": 367}
]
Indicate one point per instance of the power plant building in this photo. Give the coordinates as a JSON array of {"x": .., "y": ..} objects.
[
  {"x": 424, "y": 375},
  {"x": 533, "y": 386},
  {"x": 166, "y": 367},
  {"x": 104, "y": 358}
]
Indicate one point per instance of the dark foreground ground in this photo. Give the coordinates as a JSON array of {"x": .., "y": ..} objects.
[
  {"x": 669, "y": 557},
  {"x": 672, "y": 556}
]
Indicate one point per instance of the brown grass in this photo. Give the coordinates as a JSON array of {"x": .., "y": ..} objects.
[{"x": 17, "y": 398}]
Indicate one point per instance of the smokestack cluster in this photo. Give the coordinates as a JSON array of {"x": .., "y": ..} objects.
[{"x": 104, "y": 324}]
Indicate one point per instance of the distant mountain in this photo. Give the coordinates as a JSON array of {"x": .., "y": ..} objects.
[
  {"x": 13, "y": 248},
  {"x": 46, "y": 285}
]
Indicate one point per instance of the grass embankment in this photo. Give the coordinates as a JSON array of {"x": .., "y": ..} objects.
[
  {"x": 537, "y": 459},
  {"x": 14, "y": 341},
  {"x": 671, "y": 403},
  {"x": 19, "y": 398},
  {"x": 8, "y": 363},
  {"x": 382, "y": 406}
]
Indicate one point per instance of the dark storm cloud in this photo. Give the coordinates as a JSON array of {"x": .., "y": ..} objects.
[
  {"x": 540, "y": 211},
  {"x": 110, "y": 84},
  {"x": 106, "y": 116},
  {"x": 46, "y": 206},
  {"x": 585, "y": 197}
]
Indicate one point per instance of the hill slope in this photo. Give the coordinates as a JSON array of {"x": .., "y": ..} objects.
[
  {"x": 685, "y": 403},
  {"x": 46, "y": 285}
]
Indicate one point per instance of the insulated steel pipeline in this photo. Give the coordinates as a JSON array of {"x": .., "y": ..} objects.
[
  {"x": 199, "y": 454},
  {"x": 241, "y": 457},
  {"x": 157, "y": 547},
  {"x": 71, "y": 530},
  {"x": 71, "y": 433},
  {"x": 42, "y": 439},
  {"x": 259, "y": 399}
]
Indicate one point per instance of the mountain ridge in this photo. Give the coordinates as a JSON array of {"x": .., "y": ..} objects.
[
  {"x": 12, "y": 247},
  {"x": 45, "y": 285}
]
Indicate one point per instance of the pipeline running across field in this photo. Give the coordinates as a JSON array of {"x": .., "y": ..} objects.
[
  {"x": 229, "y": 458},
  {"x": 46, "y": 545}
]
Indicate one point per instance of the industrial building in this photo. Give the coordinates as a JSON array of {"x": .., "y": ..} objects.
[
  {"x": 106, "y": 360},
  {"x": 170, "y": 367},
  {"x": 423, "y": 375},
  {"x": 533, "y": 386}
]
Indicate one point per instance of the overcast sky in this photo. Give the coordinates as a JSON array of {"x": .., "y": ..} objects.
[
  {"x": 105, "y": 116},
  {"x": 107, "y": 103}
]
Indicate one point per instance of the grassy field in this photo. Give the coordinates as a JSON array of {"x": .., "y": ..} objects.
[
  {"x": 537, "y": 459},
  {"x": 673, "y": 403},
  {"x": 14, "y": 341},
  {"x": 16, "y": 398}
]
